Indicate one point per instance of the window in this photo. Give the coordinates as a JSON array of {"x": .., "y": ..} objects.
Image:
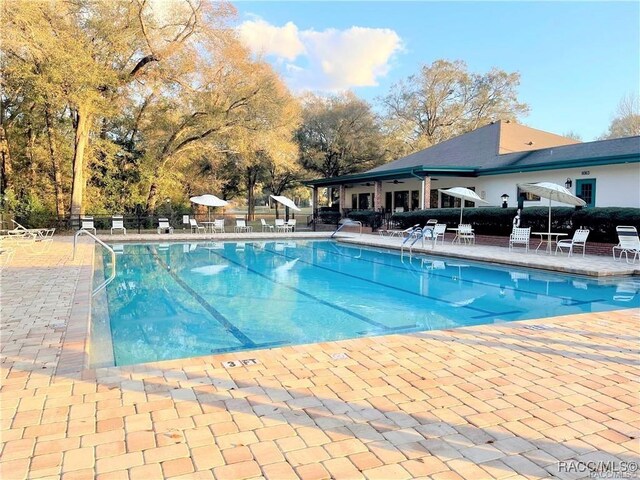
[
  {"x": 433, "y": 200},
  {"x": 363, "y": 201},
  {"x": 528, "y": 196},
  {"x": 451, "y": 202},
  {"x": 401, "y": 200},
  {"x": 415, "y": 199},
  {"x": 586, "y": 190},
  {"x": 388, "y": 201},
  {"x": 354, "y": 201}
]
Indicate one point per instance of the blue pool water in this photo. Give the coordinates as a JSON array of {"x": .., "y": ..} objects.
[{"x": 185, "y": 299}]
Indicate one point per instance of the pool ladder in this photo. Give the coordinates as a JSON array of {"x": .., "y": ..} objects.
[{"x": 105, "y": 246}]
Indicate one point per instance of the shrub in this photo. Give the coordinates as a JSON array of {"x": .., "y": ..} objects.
[
  {"x": 601, "y": 221},
  {"x": 329, "y": 216},
  {"x": 369, "y": 218}
]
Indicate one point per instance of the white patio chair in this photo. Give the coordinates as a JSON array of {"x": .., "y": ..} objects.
[
  {"x": 265, "y": 226},
  {"x": 117, "y": 223},
  {"x": 291, "y": 225},
  {"x": 628, "y": 242},
  {"x": 579, "y": 240},
  {"x": 465, "y": 234},
  {"x": 194, "y": 226},
  {"x": 164, "y": 226},
  {"x": 87, "y": 224},
  {"x": 520, "y": 236},
  {"x": 218, "y": 225},
  {"x": 280, "y": 225},
  {"x": 241, "y": 226},
  {"x": 438, "y": 232}
]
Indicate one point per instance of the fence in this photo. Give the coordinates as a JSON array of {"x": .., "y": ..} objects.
[{"x": 139, "y": 223}]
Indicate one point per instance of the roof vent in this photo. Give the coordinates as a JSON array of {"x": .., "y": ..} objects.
[
  {"x": 529, "y": 142},
  {"x": 507, "y": 121}
]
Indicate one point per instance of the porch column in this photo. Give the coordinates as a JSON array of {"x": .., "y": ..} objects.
[
  {"x": 343, "y": 198},
  {"x": 425, "y": 201},
  {"x": 377, "y": 195},
  {"x": 314, "y": 206}
]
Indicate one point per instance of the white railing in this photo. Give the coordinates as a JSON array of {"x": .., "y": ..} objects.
[{"x": 104, "y": 245}]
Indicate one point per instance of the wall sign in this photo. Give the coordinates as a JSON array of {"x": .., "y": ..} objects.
[{"x": 585, "y": 172}]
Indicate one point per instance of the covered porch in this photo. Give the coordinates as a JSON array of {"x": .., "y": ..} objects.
[{"x": 392, "y": 191}]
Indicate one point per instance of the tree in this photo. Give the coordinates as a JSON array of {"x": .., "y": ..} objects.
[
  {"x": 266, "y": 143},
  {"x": 626, "y": 121},
  {"x": 444, "y": 99},
  {"x": 96, "y": 50},
  {"x": 339, "y": 135},
  {"x": 573, "y": 135}
]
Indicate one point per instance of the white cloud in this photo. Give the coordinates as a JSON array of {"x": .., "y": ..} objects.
[
  {"x": 327, "y": 60},
  {"x": 266, "y": 39}
]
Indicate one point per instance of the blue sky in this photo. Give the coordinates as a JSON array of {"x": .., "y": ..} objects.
[{"x": 576, "y": 59}]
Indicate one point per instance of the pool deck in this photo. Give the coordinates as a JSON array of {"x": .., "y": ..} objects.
[{"x": 530, "y": 399}]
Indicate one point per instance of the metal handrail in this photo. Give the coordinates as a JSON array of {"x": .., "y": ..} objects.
[
  {"x": 347, "y": 222},
  {"x": 104, "y": 245}
]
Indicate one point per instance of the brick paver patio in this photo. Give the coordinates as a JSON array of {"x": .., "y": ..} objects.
[{"x": 496, "y": 401}]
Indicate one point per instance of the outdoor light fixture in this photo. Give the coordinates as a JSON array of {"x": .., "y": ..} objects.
[
  {"x": 505, "y": 199},
  {"x": 568, "y": 183}
]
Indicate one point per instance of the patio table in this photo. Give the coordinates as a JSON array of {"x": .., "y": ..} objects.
[
  {"x": 208, "y": 226},
  {"x": 549, "y": 240},
  {"x": 456, "y": 237}
]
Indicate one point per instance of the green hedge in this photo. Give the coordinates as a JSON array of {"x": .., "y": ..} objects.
[
  {"x": 601, "y": 222},
  {"x": 329, "y": 216},
  {"x": 369, "y": 218}
]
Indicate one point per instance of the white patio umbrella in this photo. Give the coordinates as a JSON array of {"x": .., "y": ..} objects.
[
  {"x": 287, "y": 202},
  {"x": 554, "y": 192},
  {"x": 463, "y": 194},
  {"x": 209, "y": 201}
]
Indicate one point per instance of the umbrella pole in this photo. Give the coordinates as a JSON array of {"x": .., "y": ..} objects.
[
  {"x": 461, "y": 209},
  {"x": 549, "y": 237}
]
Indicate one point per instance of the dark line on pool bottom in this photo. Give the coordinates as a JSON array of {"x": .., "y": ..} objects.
[
  {"x": 257, "y": 345},
  {"x": 231, "y": 328},
  {"x": 485, "y": 313},
  {"x": 303, "y": 293}
]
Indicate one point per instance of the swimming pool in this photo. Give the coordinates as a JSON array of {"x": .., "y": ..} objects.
[{"x": 181, "y": 300}]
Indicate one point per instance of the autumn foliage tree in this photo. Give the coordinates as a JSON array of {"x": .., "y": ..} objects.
[{"x": 444, "y": 99}]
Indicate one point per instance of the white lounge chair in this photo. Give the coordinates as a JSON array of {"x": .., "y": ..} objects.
[
  {"x": 628, "y": 242},
  {"x": 291, "y": 225},
  {"x": 405, "y": 232},
  {"x": 163, "y": 226},
  {"x": 520, "y": 236},
  {"x": 265, "y": 226},
  {"x": 579, "y": 240},
  {"x": 87, "y": 224},
  {"x": 241, "y": 226},
  {"x": 465, "y": 234},
  {"x": 218, "y": 225},
  {"x": 117, "y": 223},
  {"x": 194, "y": 226}
]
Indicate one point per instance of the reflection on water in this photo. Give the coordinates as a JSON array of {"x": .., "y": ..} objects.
[{"x": 188, "y": 299}]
